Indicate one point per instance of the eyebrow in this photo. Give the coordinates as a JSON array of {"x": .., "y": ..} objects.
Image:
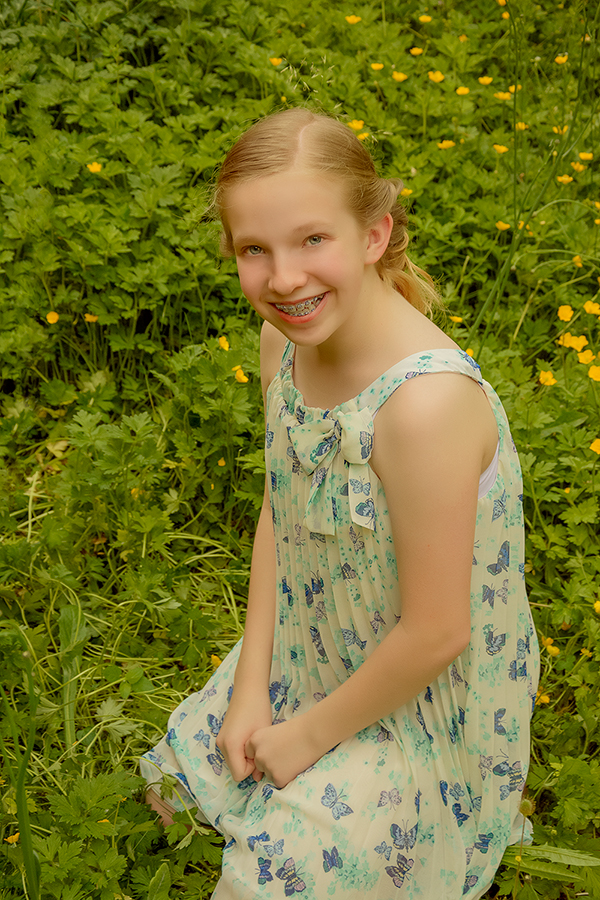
[{"x": 308, "y": 228}]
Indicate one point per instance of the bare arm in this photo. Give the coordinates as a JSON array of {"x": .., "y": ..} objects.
[{"x": 431, "y": 446}]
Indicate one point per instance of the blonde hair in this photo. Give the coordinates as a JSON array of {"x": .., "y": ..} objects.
[{"x": 321, "y": 144}]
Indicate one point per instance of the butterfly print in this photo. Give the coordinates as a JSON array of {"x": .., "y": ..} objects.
[
  {"x": 455, "y": 677},
  {"x": 522, "y": 648},
  {"x": 503, "y": 560},
  {"x": 360, "y": 487},
  {"x": 298, "y": 540},
  {"x": 344, "y": 489},
  {"x": 296, "y": 464},
  {"x": 460, "y": 816},
  {"x": 350, "y": 637},
  {"x": 516, "y": 671},
  {"x": 348, "y": 572},
  {"x": 319, "y": 696},
  {"x": 357, "y": 543},
  {"x": 470, "y": 881},
  {"x": 392, "y": 797},
  {"x": 169, "y": 736},
  {"x": 320, "y": 611},
  {"x": 418, "y": 801},
  {"x": 483, "y": 842},
  {"x": 366, "y": 444},
  {"x": 275, "y": 849},
  {"x": 494, "y": 643},
  {"x": 421, "y": 722},
  {"x": 209, "y": 692},
  {"x": 316, "y": 639},
  {"x": 263, "y": 870},
  {"x": 383, "y": 849},
  {"x": 185, "y": 782},
  {"x": 499, "y": 507},
  {"x": 269, "y": 435},
  {"x": 366, "y": 509},
  {"x": 398, "y": 872},
  {"x": 384, "y": 735},
  {"x": 253, "y": 840},
  {"x": 376, "y": 621},
  {"x": 428, "y": 695},
  {"x": 203, "y": 738},
  {"x": 332, "y": 800},
  {"x": 293, "y": 882},
  {"x": 317, "y": 537},
  {"x": 488, "y": 595},
  {"x": 498, "y": 725},
  {"x": 404, "y": 840},
  {"x": 279, "y": 689},
  {"x": 215, "y": 723},
  {"x": 485, "y": 766},
  {"x": 274, "y": 482},
  {"x": 216, "y": 760},
  {"x": 332, "y": 860},
  {"x": 318, "y": 477},
  {"x": 286, "y": 589},
  {"x": 347, "y": 662}
]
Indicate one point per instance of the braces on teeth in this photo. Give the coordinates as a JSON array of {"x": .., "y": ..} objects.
[{"x": 300, "y": 309}]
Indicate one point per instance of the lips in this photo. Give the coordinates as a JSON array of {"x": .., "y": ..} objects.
[{"x": 298, "y": 310}]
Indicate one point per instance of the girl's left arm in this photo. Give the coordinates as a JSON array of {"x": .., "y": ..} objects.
[{"x": 433, "y": 438}]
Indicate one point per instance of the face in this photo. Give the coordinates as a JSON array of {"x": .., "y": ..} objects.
[{"x": 304, "y": 262}]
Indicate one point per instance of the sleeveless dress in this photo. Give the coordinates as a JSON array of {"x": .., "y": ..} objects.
[{"x": 423, "y": 803}]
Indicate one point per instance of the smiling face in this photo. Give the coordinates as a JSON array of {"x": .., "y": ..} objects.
[{"x": 304, "y": 263}]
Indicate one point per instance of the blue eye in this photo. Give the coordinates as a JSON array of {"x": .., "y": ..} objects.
[
  {"x": 314, "y": 240},
  {"x": 253, "y": 250}
]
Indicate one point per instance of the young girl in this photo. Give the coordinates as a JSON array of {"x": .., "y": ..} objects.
[{"x": 371, "y": 731}]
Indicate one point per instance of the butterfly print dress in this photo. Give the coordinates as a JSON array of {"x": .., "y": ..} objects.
[{"x": 423, "y": 803}]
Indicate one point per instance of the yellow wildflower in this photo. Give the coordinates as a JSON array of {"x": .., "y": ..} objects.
[
  {"x": 415, "y": 51},
  {"x": 463, "y": 91},
  {"x": 587, "y": 157},
  {"x": 565, "y": 313},
  {"x": 596, "y": 221},
  {"x": 561, "y": 58},
  {"x": 235, "y": 368},
  {"x": 399, "y": 76},
  {"x": 424, "y": 19},
  {"x": 485, "y": 79},
  {"x": 89, "y": 317},
  {"x": 564, "y": 179},
  {"x": 103, "y": 821},
  {"x": 586, "y": 357},
  {"x": 578, "y": 343},
  {"x": 597, "y": 204},
  {"x": 547, "y": 379},
  {"x": 502, "y": 226},
  {"x": 567, "y": 490},
  {"x": 445, "y": 145},
  {"x": 579, "y": 167},
  {"x": 223, "y": 343},
  {"x": 547, "y": 641},
  {"x": 597, "y": 603},
  {"x": 221, "y": 462},
  {"x": 502, "y": 95},
  {"x": 469, "y": 351},
  {"x": 500, "y": 148},
  {"x": 275, "y": 60},
  {"x": 436, "y": 76},
  {"x": 553, "y": 651},
  {"x": 560, "y": 129},
  {"x": 356, "y": 124},
  {"x": 455, "y": 318},
  {"x": 353, "y": 20},
  {"x": 591, "y": 307},
  {"x": 578, "y": 262},
  {"x": 135, "y": 493},
  {"x": 12, "y": 838},
  {"x": 462, "y": 38},
  {"x": 377, "y": 67},
  {"x": 52, "y": 317},
  {"x": 239, "y": 376},
  {"x": 283, "y": 99},
  {"x": 595, "y": 446},
  {"x": 521, "y": 223},
  {"x": 521, "y": 126},
  {"x": 506, "y": 15},
  {"x": 543, "y": 698},
  {"x": 514, "y": 87},
  {"x": 501, "y": 2},
  {"x": 406, "y": 192},
  {"x": 215, "y": 660},
  {"x": 594, "y": 373},
  {"x": 363, "y": 136},
  {"x": 585, "y": 652},
  {"x": 94, "y": 167}
]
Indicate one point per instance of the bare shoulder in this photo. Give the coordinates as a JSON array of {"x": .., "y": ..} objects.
[{"x": 272, "y": 344}]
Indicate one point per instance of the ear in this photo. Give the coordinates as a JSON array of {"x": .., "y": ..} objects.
[{"x": 378, "y": 237}]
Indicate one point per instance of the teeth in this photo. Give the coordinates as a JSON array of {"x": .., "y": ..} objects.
[{"x": 300, "y": 309}]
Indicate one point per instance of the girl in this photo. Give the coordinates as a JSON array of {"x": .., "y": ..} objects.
[{"x": 371, "y": 731}]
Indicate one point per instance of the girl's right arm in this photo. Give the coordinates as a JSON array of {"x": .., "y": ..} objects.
[{"x": 250, "y": 707}]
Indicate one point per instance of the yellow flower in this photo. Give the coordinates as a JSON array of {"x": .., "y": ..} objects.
[
  {"x": 579, "y": 167},
  {"x": 578, "y": 343},
  {"x": 547, "y": 641},
  {"x": 275, "y": 60},
  {"x": 596, "y": 221},
  {"x": 543, "y": 698},
  {"x": 567, "y": 490},
  {"x": 587, "y": 157},
  {"x": 585, "y": 652},
  {"x": 135, "y": 493},
  {"x": 553, "y": 651},
  {"x": 469, "y": 351},
  {"x": 500, "y": 148},
  {"x": 591, "y": 307},
  {"x": 445, "y": 145},
  {"x": 462, "y": 38},
  {"x": 455, "y": 318},
  {"x": 223, "y": 343},
  {"x": 239, "y": 376},
  {"x": 502, "y": 95},
  {"x": 485, "y": 79},
  {"x": 564, "y": 179},
  {"x": 377, "y": 67},
  {"x": 594, "y": 373},
  {"x": 89, "y": 317},
  {"x": 506, "y": 15},
  {"x": 94, "y": 167},
  {"x": 283, "y": 99},
  {"x": 436, "y": 76},
  {"x": 565, "y": 313},
  {"x": 363, "y": 136},
  {"x": 547, "y": 379},
  {"x": 597, "y": 603},
  {"x": 562, "y": 58},
  {"x": 521, "y": 126},
  {"x": 424, "y": 19},
  {"x": 52, "y": 317},
  {"x": 356, "y": 124},
  {"x": 399, "y": 76},
  {"x": 597, "y": 204},
  {"x": 560, "y": 129},
  {"x": 463, "y": 91},
  {"x": 215, "y": 660},
  {"x": 221, "y": 462},
  {"x": 353, "y": 20},
  {"x": 406, "y": 192},
  {"x": 577, "y": 261},
  {"x": 586, "y": 357},
  {"x": 103, "y": 821},
  {"x": 12, "y": 838},
  {"x": 501, "y": 2},
  {"x": 415, "y": 51},
  {"x": 513, "y": 87},
  {"x": 502, "y": 226}
]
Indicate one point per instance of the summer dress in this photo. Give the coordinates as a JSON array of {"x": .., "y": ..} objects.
[{"x": 423, "y": 803}]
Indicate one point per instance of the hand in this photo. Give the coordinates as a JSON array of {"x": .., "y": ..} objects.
[
  {"x": 245, "y": 715},
  {"x": 282, "y": 751}
]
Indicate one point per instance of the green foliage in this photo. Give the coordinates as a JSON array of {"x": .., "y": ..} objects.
[{"x": 130, "y": 451}]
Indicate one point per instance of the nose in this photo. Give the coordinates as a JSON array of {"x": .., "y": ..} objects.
[{"x": 286, "y": 275}]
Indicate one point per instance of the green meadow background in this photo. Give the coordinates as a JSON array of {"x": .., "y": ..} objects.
[{"x": 131, "y": 460}]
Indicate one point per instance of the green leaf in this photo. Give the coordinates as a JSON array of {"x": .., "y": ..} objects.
[{"x": 159, "y": 887}]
